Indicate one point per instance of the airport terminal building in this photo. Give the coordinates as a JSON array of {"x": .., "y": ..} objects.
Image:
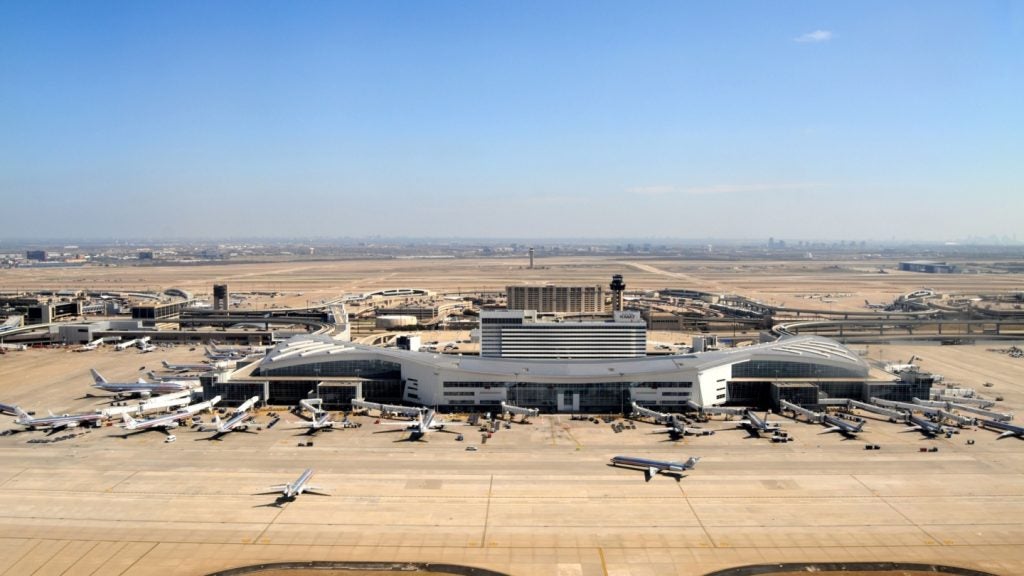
[{"x": 803, "y": 368}]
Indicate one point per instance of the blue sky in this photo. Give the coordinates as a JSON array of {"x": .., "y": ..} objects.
[{"x": 844, "y": 120}]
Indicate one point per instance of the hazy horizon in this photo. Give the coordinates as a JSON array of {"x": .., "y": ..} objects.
[{"x": 662, "y": 121}]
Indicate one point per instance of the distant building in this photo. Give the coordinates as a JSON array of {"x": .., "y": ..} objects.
[
  {"x": 568, "y": 299},
  {"x": 518, "y": 334},
  {"x": 145, "y": 255},
  {"x": 38, "y": 255},
  {"x": 928, "y": 266}
]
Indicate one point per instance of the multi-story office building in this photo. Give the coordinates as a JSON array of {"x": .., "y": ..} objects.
[
  {"x": 518, "y": 334},
  {"x": 568, "y": 299}
]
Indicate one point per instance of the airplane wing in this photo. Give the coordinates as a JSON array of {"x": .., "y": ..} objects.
[
  {"x": 315, "y": 490},
  {"x": 831, "y": 429},
  {"x": 1006, "y": 434}
]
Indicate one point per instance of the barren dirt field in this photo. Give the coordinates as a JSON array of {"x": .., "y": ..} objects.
[{"x": 792, "y": 283}]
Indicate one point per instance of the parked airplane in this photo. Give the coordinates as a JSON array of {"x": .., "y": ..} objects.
[
  {"x": 425, "y": 423},
  {"x": 167, "y": 421},
  {"x": 871, "y": 306},
  {"x": 653, "y": 467},
  {"x": 322, "y": 421},
  {"x": 146, "y": 348},
  {"x": 55, "y": 423},
  {"x": 924, "y": 426},
  {"x": 844, "y": 427},
  {"x": 898, "y": 367},
  {"x": 140, "y": 388},
  {"x": 1007, "y": 428},
  {"x": 755, "y": 425},
  {"x": 289, "y": 492},
  {"x": 236, "y": 423},
  {"x": 194, "y": 367},
  {"x": 223, "y": 355}
]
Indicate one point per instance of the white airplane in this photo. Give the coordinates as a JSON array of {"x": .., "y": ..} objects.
[
  {"x": 1006, "y": 428},
  {"x": 146, "y": 348},
  {"x": 653, "y": 467},
  {"x": 56, "y": 423},
  {"x": 195, "y": 367},
  {"x": 140, "y": 387},
  {"x": 213, "y": 355},
  {"x": 755, "y": 425},
  {"x": 236, "y": 423},
  {"x": 289, "y": 492},
  {"x": 322, "y": 421},
  {"x": 896, "y": 368},
  {"x": 425, "y": 423},
  {"x": 167, "y": 421}
]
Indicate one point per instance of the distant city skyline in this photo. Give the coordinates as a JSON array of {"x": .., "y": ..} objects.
[{"x": 654, "y": 120}]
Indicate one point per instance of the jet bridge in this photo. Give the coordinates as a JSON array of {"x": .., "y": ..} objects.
[
  {"x": 810, "y": 415},
  {"x": 892, "y": 415},
  {"x": 641, "y": 412},
  {"x": 905, "y": 406},
  {"x": 960, "y": 420},
  {"x": 313, "y": 405},
  {"x": 972, "y": 401},
  {"x": 727, "y": 411},
  {"x": 387, "y": 408},
  {"x": 519, "y": 411},
  {"x": 997, "y": 416}
]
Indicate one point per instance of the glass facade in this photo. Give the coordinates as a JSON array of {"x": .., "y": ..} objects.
[
  {"x": 778, "y": 369},
  {"x": 376, "y": 369}
]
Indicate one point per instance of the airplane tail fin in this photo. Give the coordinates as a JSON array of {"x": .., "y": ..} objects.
[
  {"x": 859, "y": 427},
  {"x": 129, "y": 422},
  {"x": 22, "y": 415},
  {"x": 692, "y": 461},
  {"x": 97, "y": 377}
]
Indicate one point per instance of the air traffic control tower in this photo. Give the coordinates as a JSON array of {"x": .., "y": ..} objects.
[{"x": 617, "y": 287}]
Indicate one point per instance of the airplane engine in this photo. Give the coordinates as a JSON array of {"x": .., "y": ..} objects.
[{"x": 173, "y": 424}]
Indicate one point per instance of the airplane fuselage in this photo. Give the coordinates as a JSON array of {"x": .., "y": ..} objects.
[{"x": 1006, "y": 428}]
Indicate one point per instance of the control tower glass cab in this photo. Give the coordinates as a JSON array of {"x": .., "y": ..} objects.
[{"x": 617, "y": 287}]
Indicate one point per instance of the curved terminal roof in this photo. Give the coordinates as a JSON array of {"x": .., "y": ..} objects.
[{"x": 809, "y": 349}]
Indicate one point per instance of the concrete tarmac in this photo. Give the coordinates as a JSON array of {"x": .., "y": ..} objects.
[{"x": 535, "y": 499}]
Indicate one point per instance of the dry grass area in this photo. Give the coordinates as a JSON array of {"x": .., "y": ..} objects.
[{"x": 849, "y": 284}]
